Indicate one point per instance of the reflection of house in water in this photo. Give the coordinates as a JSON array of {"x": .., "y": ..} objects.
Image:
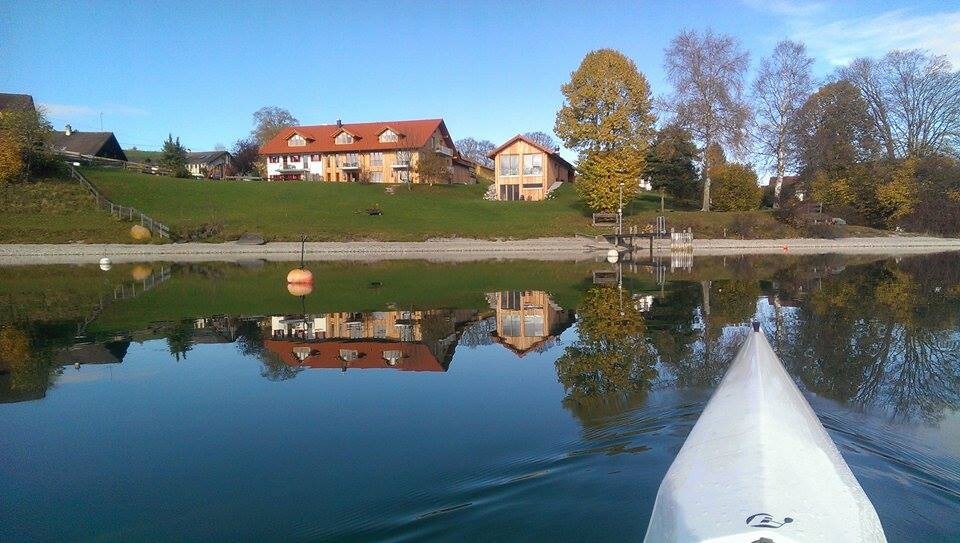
[
  {"x": 111, "y": 352},
  {"x": 214, "y": 330},
  {"x": 527, "y": 320},
  {"x": 405, "y": 340}
]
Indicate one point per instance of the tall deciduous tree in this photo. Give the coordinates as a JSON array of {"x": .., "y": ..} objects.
[
  {"x": 913, "y": 99},
  {"x": 542, "y": 138},
  {"x": 782, "y": 85},
  {"x": 834, "y": 131},
  {"x": 476, "y": 150},
  {"x": 707, "y": 73},
  {"x": 606, "y": 117},
  {"x": 270, "y": 120},
  {"x": 246, "y": 154}
]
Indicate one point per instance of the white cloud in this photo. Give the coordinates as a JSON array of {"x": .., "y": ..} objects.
[
  {"x": 73, "y": 110},
  {"x": 789, "y": 8},
  {"x": 841, "y": 41}
]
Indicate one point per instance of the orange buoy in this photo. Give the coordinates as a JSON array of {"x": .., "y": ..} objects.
[
  {"x": 300, "y": 276},
  {"x": 299, "y": 289}
]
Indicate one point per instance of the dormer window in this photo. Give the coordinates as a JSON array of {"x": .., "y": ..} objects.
[
  {"x": 296, "y": 140},
  {"x": 344, "y": 138},
  {"x": 388, "y": 136}
]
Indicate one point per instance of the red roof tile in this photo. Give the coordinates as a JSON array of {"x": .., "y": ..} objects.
[{"x": 320, "y": 138}]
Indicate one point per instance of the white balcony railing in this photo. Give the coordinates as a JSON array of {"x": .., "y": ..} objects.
[{"x": 444, "y": 150}]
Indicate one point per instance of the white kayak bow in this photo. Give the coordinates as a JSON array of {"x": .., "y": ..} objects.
[{"x": 759, "y": 467}]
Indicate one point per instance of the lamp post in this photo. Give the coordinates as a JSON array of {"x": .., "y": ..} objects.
[{"x": 620, "y": 214}]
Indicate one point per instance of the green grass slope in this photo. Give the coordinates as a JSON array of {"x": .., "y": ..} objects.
[{"x": 55, "y": 211}]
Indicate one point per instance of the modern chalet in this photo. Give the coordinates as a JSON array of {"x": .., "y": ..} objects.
[
  {"x": 377, "y": 152},
  {"x": 526, "y": 170}
]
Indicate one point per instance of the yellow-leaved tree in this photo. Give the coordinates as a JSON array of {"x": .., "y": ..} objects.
[
  {"x": 897, "y": 196},
  {"x": 11, "y": 163},
  {"x": 606, "y": 118}
]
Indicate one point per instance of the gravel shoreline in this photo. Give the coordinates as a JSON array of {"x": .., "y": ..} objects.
[{"x": 453, "y": 250}]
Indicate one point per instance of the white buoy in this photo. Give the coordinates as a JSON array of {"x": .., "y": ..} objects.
[
  {"x": 613, "y": 256},
  {"x": 105, "y": 264}
]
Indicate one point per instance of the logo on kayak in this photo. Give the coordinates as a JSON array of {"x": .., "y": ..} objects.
[{"x": 764, "y": 520}]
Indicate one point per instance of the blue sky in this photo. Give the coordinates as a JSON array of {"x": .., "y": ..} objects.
[{"x": 199, "y": 69}]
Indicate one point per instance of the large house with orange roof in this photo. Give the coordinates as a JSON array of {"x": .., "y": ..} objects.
[
  {"x": 526, "y": 170},
  {"x": 377, "y": 152}
]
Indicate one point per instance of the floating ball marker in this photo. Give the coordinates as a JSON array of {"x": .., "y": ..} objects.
[
  {"x": 300, "y": 276},
  {"x": 299, "y": 289},
  {"x": 105, "y": 264},
  {"x": 613, "y": 256}
]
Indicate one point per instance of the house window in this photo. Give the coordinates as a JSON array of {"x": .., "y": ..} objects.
[
  {"x": 403, "y": 157},
  {"x": 511, "y": 326},
  {"x": 316, "y": 158},
  {"x": 376, "y": 159},
  {"x": 376, "y": 177},
  {"x": 294, "y": 158},
  {"x": 388, "y": 136},
  {"x": 402, "y": 176},
  {"x": 509, "y": 164},
  {"x": 344, "y": 138},
  {"x": 533, "y": 164},
  {"x": 274, "y": 159},
  {"x": 351, "y": 160},
  {"x": 296, "y": 140},
  {"x": 533, "y": 326},
  {"x": 509, "y": 193}
]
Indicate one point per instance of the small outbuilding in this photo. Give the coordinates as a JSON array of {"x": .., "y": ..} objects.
[{"x": 98, "y": 144}]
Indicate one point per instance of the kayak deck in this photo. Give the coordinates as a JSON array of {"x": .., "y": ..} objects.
[{"x": 758, "y": 464}]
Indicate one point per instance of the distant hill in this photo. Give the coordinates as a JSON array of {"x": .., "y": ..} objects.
[{"x": 143, "y": 157}]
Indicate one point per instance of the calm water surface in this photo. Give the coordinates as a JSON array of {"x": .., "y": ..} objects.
[{"x": 419, "y": 401}]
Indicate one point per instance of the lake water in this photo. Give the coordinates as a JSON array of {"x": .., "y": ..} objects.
[{"x": 424, "y": 401}]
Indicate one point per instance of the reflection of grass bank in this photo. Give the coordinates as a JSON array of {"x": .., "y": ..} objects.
[{"x": 65, "y": 293}]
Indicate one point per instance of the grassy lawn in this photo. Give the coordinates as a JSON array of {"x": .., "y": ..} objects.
[
  {"x": 52, "y": 211},
  {"x": 55, "y": 211},
  {"x": 335, "y": 211}
]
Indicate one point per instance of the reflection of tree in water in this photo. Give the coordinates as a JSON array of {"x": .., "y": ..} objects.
[
  {"x": 690, "y": 328},
  {"x": 881, "y": 334},
  {"x": 610, "y": 366},
  {"x": 27, "y": 369},
  {"x": 179, "y": 338}
]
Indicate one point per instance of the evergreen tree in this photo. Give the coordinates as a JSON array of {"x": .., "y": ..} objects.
[
  {"x": 670, "y": 163},
  {"x": 174, "y": 157}
]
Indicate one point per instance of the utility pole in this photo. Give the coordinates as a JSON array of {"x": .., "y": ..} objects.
[{"x": 101, "y": 121}]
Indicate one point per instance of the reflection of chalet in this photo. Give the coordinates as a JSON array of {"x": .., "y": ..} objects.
[{"x": 527, "y": 320}]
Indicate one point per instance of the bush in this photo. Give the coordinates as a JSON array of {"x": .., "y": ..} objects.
[{"x": 734, "y": 188}]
